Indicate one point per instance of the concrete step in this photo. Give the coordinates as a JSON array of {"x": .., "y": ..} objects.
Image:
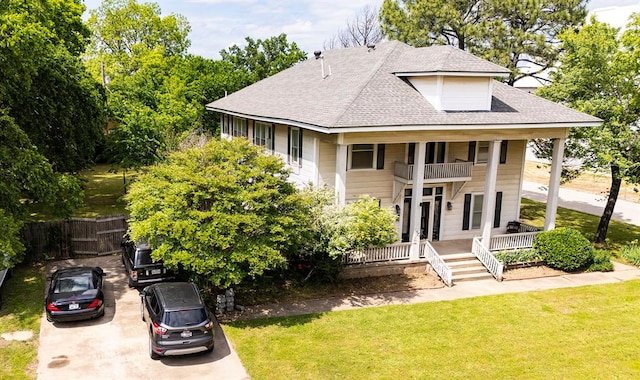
[
  {"x": 472, "y": 277},
  {"x": 469, "y": 270},
  {"x": 463, "y": 264},
  {"x": 453, "y": 257}
]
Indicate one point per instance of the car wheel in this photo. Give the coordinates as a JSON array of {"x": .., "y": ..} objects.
[
  {"x": 49, "y": 318},
  {"x": 153, "y": 355}
]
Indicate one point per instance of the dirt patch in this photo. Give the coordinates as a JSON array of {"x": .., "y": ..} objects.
[{"x": 530, "y": 272}]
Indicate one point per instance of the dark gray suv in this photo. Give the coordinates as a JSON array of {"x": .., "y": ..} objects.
[
  {"x": 177, "y": 319},
  {"x": 141, "y": 268}
]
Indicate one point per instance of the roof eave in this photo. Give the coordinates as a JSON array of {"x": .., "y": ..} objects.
[
  {"x": 456, "y": 127},
  {"x": 293, "y": 123},
  {"x": 452, "y": 73}
]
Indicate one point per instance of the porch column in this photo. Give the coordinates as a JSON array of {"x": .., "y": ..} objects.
[
  {"x": 489, "y": 198},
  {"x": 416, "y": 198},
  {"x": 341, "y": 173},
  {"x": 554, "y": 184}
]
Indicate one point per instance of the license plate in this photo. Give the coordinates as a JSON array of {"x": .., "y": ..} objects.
[
  {"x": 186, "y": 334},
  {"x": 156, "y": 271},
  {"x": 74, "y": 306}
]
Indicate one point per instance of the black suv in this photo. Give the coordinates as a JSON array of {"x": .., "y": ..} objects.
[
  {"x": 141, "y": 268},
  {"x": 177, "y": 319}
]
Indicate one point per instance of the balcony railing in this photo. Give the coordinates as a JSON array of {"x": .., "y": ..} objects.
[{"x": 454, "y": 171}]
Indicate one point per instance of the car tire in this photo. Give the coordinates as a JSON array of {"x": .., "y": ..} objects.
[
  {"x": 49, "y": 318},
  {"x": 152, "y": 354}
]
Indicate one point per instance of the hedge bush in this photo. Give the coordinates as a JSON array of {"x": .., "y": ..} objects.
[
  {"x": 519, "y": 256},
  {"x": 564, "y": 249},
  {"x": 601, "y": 261},
  {"x": 631, "y": 253}
]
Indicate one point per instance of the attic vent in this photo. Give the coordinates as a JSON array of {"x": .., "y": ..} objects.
[
  {"x": 371, "y": 46},
  {"x": 317, "y": 54}
]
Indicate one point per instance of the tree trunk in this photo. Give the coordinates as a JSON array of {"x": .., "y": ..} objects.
[{"x": 616, "y": 181}]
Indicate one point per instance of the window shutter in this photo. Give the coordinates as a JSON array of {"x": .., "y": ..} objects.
[
  {"x": 466, "y": 212},
  {"x": 300, "y": 146},
  {"x": 254, "y": 133},
  {"x": 272, "y": 136},
  {"x": 472, "y": 152},
  {"x": 289, "y": 142},
  {"x": 503, "y": 151},
  {"x": 496, "y": 215},
  {"x": 380, "y": 158}
]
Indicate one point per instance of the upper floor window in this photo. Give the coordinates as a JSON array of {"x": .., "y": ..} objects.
[
  {"x": 239, "y": 127},
  {"x": 479, "y": 151},
  {"x": 482, "y": 154},
  {"x": 366, "y": 156},
  {"x": 295, "y": 146},
  {"x": 263, "y": 135}
]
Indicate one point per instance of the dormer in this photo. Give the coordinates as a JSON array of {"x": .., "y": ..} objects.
[{"x": 449, "y": 78}]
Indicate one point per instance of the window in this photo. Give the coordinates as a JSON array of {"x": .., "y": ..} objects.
[
  {"x": 239, "y": 127},
  {"x": 295, "y": 146},
  {"x": 366, "y": 156},
  {"x": 472, "y": 217},
  {"x": 263, "y": 135},
  {"x": 225, "y": 124},
  {"x": 476, "y": 211},
  {"x": 482, "y": 155}
]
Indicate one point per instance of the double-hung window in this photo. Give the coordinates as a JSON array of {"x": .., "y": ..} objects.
[
  {"x": 366, "y": 156},
  {"x": 263, "y": 135},
  {"x": 295, "y": 146},
  {"x": 239, "y": 127}
]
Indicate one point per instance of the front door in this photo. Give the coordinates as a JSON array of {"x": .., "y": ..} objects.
[{"x": 430, "y": 214}]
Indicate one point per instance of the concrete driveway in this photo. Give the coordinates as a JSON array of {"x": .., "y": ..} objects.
[{"x": 115, "y": 345}]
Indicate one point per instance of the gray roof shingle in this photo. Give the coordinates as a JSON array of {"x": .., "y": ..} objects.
[{"x": 363, "y": 91}]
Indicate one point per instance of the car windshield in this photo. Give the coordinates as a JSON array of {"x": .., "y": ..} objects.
[
  {"x": 144, "y": 257},
  {"x": 187, "y": 317},
  {"x": 73, "y": 284}
]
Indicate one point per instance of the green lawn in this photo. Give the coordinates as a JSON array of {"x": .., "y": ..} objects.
[
  {"x": 618, "y": 234},
  {"x": 23, "y": 298},
  {"x": 573, "y": 333}
]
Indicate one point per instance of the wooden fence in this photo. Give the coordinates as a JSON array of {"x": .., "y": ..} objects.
[{"x": 74, "y": 237}]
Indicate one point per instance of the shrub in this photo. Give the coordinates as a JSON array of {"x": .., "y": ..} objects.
[
  {"x": 564, "y": 249},
  {"x": 631, "y": 253},
  {"x": 517, "y": 256},
  {"x": 601, "y": 261}
]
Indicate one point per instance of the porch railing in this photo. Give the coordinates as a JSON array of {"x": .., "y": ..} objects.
[
  {"x": 399, "y": 251},
  {"x": 438, "y": 265},
  {"x": 512, "y": 241},
  {"x": 453, "y": 170},
  {"x": 494, "y": 266}
]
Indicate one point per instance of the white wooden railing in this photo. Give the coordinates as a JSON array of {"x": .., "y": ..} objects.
[
  {"x": 512, "y": 241},
  {"x": 435, "y": 171},
  {"x": 528, "y": 228},
  {"x": 399, "y": 251},
  {"x": 494, "y": 266},
  {"x": 438, "y": 265}
]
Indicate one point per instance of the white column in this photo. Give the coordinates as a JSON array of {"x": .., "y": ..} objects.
[
  {"x": 416, "y": 198},
  {"x": 554, "y": 184},
  {"x": 341, "y": 173},
  {"x": 489, "y": 198}
]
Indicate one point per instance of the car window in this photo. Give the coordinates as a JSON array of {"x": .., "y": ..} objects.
[
  {"x": 153, "y": 303},
  {"x": 73, "y": 284},
  {"x": 143, "y": 257},
  {"x": 186, "y": 317}
]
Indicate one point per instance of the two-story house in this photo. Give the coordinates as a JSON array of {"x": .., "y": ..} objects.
[{"x": 427, "y": 131}]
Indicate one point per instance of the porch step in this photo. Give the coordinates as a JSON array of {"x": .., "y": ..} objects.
[{"x": 466, "y": 267}]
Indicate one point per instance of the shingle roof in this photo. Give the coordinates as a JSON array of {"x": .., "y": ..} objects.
[{"x": 360, "y": 90}]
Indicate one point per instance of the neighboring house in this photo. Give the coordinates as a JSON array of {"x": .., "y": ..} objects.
[{"x": 361, "y": 119}]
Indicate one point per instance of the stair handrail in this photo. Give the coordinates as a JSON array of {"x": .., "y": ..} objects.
[
  {"x": 492, "y": 264},
  {"x": 437, "y": 263}
]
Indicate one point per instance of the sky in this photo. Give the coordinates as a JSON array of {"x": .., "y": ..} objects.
[{"x": 218, "y": 24}]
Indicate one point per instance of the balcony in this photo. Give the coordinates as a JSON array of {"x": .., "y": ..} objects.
[{"x": 435, "y": 173}]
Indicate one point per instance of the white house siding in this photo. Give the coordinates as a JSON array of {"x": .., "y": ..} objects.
[
  {"x": 378, "y": 183},
  {"x": 327, "y": 164},
  {"x": 428, "y": 87},
  {"x": 509, "y": 177},
  {"x": 466, "y": 94}
]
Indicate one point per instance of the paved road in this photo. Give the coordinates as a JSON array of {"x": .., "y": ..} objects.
[
  {"x": 625, "y": 211},
  {"x": 115, "y": 346}
]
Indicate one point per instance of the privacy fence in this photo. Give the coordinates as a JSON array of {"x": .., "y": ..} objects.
[{"x": 74, "y": 237}]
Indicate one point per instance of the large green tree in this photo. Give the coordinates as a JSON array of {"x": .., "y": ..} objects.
[
  {"x": 511, "y": 33},
  {"x": 259, "y": 59},
  {"x": 43, "y": 83},
  {"x": 598, "y": 75},
  {"x": 224, "y": 211}
]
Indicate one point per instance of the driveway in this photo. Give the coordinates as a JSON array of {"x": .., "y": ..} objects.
[{"x": 115, "y": 345}]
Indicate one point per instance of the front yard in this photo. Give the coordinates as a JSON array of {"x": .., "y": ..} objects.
[{"x": 572, "y": 333}]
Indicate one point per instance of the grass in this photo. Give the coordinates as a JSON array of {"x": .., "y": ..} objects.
[
  {"x": 23, "y": 297},
  {"x": 572, "y": 333}
]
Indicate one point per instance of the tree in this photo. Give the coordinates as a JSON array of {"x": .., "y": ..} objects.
[
  {"x": 364, "y": 29},
  {"x": 598, "y": 75},
  {"x": 262, "y": 58},
  {"x": 43, "y": 84},
  {"x": 26, "y": 176},
  {"x": 224, "y": 211},
  {"x": 511, "y": 33}
]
